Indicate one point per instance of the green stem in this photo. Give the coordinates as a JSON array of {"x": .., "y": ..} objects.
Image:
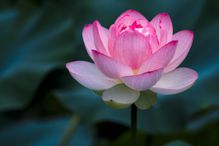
[
  {"x": 133, "y": 124},
  {"x": 74, "y": 121},
  {"x": 149, "y": 140}
]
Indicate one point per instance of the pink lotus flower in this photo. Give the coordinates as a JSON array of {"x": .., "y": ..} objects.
[{"x": 134, "y": 55}]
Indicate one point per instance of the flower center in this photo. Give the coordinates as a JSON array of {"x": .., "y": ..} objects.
[{"x": 135, "y": 71}]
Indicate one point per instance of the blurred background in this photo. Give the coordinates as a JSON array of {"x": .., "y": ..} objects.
[{"x": 41, "y": 105}]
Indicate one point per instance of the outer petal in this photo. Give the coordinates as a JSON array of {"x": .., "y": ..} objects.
[
  {"x": 88, "y": 75},
  {"x": 120, "y": 96},
  {"x": 100, "y": 37},
  {"x": 160, "y": 58},
  {"x": 88, "y": 38},
  {"x": 164, "y": 28},
  {"x": 176, "y": 81},
  {"x": 143, "y": 81},
  {"x": 112, "y": 36},
  {"x": 110, "y": 67},
  {"x": 185, "y": 39},
  {"x": 131, "y": 48}
]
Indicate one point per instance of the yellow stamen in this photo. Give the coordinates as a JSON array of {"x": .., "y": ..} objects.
[{"x": 135, "y": 71}]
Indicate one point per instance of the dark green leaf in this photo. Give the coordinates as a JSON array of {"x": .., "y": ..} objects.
[
  {"x": 43, "y": 133},
  {"x": 178, "y": 143},
  {"x": 31, "y": 47}
]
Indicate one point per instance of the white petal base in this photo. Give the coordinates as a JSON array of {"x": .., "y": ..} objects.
[{"x": 120, "y": 96}]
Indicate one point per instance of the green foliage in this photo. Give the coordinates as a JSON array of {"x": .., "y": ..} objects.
[
  {"x": 43, "y": 133},
  {"x": 30, "y": 48}
]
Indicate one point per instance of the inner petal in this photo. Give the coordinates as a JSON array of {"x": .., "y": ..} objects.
[
  {"x": 149, "y": 32},
  {"x": 131, "y": 48},
  {"x": 141, "y": 26}
]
